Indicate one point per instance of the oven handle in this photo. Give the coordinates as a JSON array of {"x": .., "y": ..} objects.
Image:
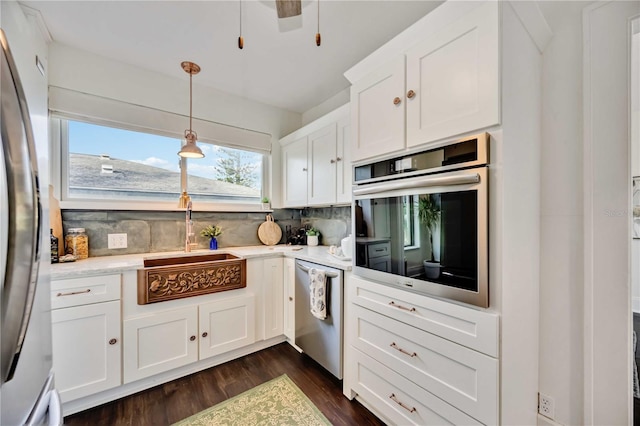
[
  {"x": 326, "y": 273},
  {"x": 419, "y": 182}
]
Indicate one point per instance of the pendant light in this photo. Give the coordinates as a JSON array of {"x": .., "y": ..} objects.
[{"x": 190, "y": 149}]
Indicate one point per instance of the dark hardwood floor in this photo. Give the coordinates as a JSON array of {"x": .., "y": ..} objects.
[{"x": 176, "y": 400}]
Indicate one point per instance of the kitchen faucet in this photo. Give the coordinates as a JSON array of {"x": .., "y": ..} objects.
[{"x": 188, "y": 228}]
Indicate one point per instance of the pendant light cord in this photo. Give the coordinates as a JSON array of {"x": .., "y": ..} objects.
[{"x": 190, "y": 101}]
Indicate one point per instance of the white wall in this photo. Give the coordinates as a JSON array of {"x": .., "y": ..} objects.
[
  {"x": 561, "y": 251},
  {"x": 327, "y": 106},
  {"x": 83, "y": 71}
]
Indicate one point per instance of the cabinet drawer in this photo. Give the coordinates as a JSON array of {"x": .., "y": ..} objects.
[
  {"x": 378, "y": 249},
  {"x": 85, "y": 290},
  {"x": 466, "y": 379},
  {"x": 400, "y": 400},
  {"x": 469, "y": 327}
]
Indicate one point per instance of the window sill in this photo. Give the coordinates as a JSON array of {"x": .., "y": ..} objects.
[{"x": 160, "y": 206}]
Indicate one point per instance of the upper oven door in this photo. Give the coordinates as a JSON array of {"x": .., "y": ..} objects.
[{"x": 427, "y": 233}]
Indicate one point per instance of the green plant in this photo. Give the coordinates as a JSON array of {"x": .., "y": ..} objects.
[
  {"x": 312, "y": 232},
  {"x": 211, "y": 231},
  {"x": 429, "y": 215},
  {"x": 264, "y": 200}
]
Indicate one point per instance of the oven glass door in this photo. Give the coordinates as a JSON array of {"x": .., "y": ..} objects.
[{"x": 431, "y": 229}]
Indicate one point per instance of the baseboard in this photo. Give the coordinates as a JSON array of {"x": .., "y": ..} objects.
[{"x": 127, "y": 389}]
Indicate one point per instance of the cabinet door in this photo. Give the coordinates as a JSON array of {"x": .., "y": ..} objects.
[
  {"x": 226, "y": 325},
  {"x": 289, "y": 274},
  {"x": 273, "y": 290},
  {"x": 455, "y": 77},
  {"x": 377, "y": 116},
  {"x": 294, "y": 174},
  {"x": 86, "y": 349},
  {"x": 344, "y": 171},
  {"x": 160, "y": 342},
  {"x": 321, "y": 183}
]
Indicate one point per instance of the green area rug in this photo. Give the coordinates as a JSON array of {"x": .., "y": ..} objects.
[{"x": 276, "y": 402}]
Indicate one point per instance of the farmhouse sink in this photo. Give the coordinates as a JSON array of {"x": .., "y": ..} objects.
[{"x": 176, "y": 277}]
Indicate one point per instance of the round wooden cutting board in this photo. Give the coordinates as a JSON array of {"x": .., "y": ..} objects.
[{"x": 269, "y": 232}]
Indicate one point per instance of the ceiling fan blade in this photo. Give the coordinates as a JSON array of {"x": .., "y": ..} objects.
[{"x": 288, "y": 8}]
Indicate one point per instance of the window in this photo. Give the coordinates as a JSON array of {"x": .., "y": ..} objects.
[
  {"x": 410, "y": 222},
  {"x": 108, "y": 163}
]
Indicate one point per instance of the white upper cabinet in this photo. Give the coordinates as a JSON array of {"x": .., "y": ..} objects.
[
  {"x": 450, "y": 86},
  {"x": 344, "y": 171},
  {"x": 294, "y": 161},
  {"x": 321, "y": 180},
  {"x": 377, "y": 111},
  {"x": 453, "y": 79},
  {"x": 317, "y": 162}
]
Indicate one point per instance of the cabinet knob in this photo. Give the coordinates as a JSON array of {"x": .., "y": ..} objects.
[
  {"x": 396, "y": 100},
  {"x": 205, "y": 334},
  {"x": 411, "y": 94},
  {"x": 290, "y": 299},
  {"x": 113, "y": 341},
  {"x": 338, "y": 159},
  {"x": 192, "y": 338},
  {"x": 304, "y": 169},
  {"x": 333, "y": 161}
]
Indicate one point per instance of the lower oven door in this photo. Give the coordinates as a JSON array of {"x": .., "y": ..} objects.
[{"x": 426, "y": 233}]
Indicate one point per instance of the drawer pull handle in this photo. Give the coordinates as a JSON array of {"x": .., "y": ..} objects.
[
  {"x": 113, "y": 341},
  {"x": 74, "y": 293},
  {"x": 380, "y": 250},
  {"x": 404, "y": 308},
  {"x": 395, "y": 399},
  {"x": 399, "y": 349}
]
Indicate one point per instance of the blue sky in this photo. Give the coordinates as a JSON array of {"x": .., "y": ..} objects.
[{"x": 152, "y": 150}]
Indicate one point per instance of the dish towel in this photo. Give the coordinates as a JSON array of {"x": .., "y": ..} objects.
[{"x": 318, "y": 293}]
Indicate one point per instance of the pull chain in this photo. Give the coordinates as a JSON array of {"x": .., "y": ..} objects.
[
  {"x": 318, "y": 38},
  {"x": 240, "y": 39}
]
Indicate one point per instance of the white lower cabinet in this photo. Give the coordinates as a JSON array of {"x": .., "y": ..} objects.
[
  {"x": 86, "y": 349},
  {"x": 170, "y": 339},
  {"x": 289, "y": 275},
  {"x": 400, "y": 400},
  {"x": 160, "y": 342},
  {"x": 85, "y": 335},
  {"x": 226, "y": 325},
  {"x": 427, "y": 361},
  {"x": 272, "y": 292}
]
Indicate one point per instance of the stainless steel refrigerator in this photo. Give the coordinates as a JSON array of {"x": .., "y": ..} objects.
[{"x": 27, "y": 393}]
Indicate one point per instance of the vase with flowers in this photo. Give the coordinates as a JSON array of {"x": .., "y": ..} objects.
[{"x": 211, "y": 232}]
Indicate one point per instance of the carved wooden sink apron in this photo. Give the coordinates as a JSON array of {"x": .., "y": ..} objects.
[{"x": 177, "y": 277}]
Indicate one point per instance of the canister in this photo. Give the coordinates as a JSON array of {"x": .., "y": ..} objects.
[{"x": 77, "y": 243}]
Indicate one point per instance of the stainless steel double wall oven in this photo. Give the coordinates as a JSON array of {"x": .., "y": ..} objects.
[{"x": 421, "y": 221}]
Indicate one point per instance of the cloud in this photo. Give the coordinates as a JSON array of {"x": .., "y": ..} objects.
[{"x": 159, "y": 162}]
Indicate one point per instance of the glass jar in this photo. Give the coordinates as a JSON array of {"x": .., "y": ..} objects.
[
  {"x": 54, "y": 248},
  {"x": 77, "y": 243}
]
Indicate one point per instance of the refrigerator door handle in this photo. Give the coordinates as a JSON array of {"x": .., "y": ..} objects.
[
  {"x": 24, "y": 208},
  {"x": 48, "y": 407}
]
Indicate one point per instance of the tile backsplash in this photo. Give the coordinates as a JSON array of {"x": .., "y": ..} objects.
[{"x": 155, "y": 231}]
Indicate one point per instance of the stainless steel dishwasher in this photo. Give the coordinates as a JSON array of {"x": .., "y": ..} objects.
[{"x": 320, "y": 339}]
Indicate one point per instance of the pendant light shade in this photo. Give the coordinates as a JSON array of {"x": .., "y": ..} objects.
[{"x": 189, "y": 148}]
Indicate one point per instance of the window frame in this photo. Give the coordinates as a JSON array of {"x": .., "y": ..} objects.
[
  {"x": 414, "y": 222},
  {"x": 59, "y": 162}
]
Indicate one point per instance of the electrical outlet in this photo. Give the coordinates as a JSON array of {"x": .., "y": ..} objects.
[
  {"x": 116, "y": 241},
  {"x": 546, "y": 406}
]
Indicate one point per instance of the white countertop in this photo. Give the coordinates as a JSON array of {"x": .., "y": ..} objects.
[{"x": 117, "y": 264}]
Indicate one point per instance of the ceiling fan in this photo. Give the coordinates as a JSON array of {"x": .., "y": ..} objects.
[{"x": 288, "y": 8}]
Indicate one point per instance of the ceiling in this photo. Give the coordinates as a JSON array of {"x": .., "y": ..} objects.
[{"x": 280, "y": 64}]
